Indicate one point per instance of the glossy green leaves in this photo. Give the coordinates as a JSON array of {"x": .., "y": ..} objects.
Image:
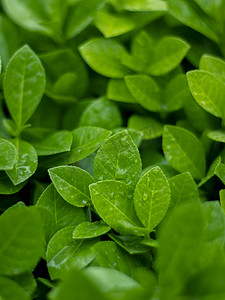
[
  {"x": 208, "y": 91},
  {"x": 26, "y": 162},
  {"x": 112, "y": 204},
  {"x": 21, "y": 240},
  {"x": 184, "y": 151},
  {"x": 72, "y": 184},
  {"x": 104, "y": 57},
  {"x": 24, "y": 85},
  {"x": 152, "y": 197},
  {"x": 7, "y": 155},
  {"x": 118, "y": 159},
  {"x": 145, "y": 91}
]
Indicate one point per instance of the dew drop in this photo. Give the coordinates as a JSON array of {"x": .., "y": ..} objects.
[{"x": 145, "y": 196}]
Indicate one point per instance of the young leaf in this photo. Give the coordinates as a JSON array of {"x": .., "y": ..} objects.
[
  {"x": 24, "y": 84},
  {"x": 72, "y": 184},
  {"x": 64, "y": 252},
  {"x": 88, "y": 230},
  {"x": 26, "y": 162},
  {"x": 152, "y": 197},
  {"x": 81, "y": 16},
  {"x": 145, "y": 91},
  {"x": 110, "y": 200},
  {"x": 150, "y": 127},
  {"x": 21, "y": 241},
  {"x": 211, "y": 171},
  {"x": 10, "y": 290},
  {"x": 217, "y": 135},
  {"x": 118, "y": 159},
  {"x": 112, "y": 24},
  {"x": 104, "y": 57},
  {"x": 208, "y": 91},
  {"x": 183, "y": 190},
  {"x": 214, "y": 65},
  {"x": 167, "y": 54},
  {"x": 7, "y": 155},
  {"x": 118, "y": 91},
  {"x": 57, "y": 142},
  {"x": 63, "y": 214},
  {"x": 101, "y": 113},
  {"x": 183, "y": 151},
  {"x": 85, "y": 141}
]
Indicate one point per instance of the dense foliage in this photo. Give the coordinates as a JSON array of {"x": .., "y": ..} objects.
[{"x": 112, "y": 158}]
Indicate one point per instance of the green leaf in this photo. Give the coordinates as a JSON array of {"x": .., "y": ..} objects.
[
  {"x": 179, "y": 252},
  {"x": 131, "y": 244},
  {"x": 63, "y": 252},
  {"x": 26, "y": 162},
  {"x": 211, "y": 171},
  {"x": 7, "y": 187},
  {"x": 110, "y": 200},
  {"x": 183, "y": 11},
  {"x": 21, "y": 240},
  {"x": 101, "y": 113},
  {"x": 214, "y": 222},
  {"x": 7, "y": 155},
  {"x": 112, "y": 24},
  {"x": 41, "y": 16},
  {"x": 217, "y": 135},
  {"x": 26, "y": 281},
  {"x": 109, "y": 255},
  {"x": 63, "y": 214},
  {"x": 118, "y": 91},
  {"x": 175, "y": 93},
  {"x": 79, "y": 284},
  {"x": 152, "y": 197},
  {"x": 10, "y": 290},
  {"x": 89, "y": 230},
  {"x": 57, "y": 142},
  {"x": 167, "y": 55},
  {"x": 9, "y": 39},
  {"x": 220, "y": 172},
  {"x": 183, "y": 151},
  {"x": 118, "y": 159},
  {"x": 24, "y": 84},
  {"x": 72, "y": 184},
  {"x": 183, "y": 190},
  {"x": 111, "y": 280},
  {"x": 81, "y": 16},
  {"x": 144, "y": 5},
  {"x": 214, "y": 65},
  {"x": 150, "y": 127},
  {"x": 104, "y": 57},
  {"x": 145, "y": 91},
  {"x": 66, "y": 74},
  {"x": 222, "y": 200},
  {"x": 141, "y": 49},
  {"x": 85, "y": 141},
  {"x": 208, "y": 91}
]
